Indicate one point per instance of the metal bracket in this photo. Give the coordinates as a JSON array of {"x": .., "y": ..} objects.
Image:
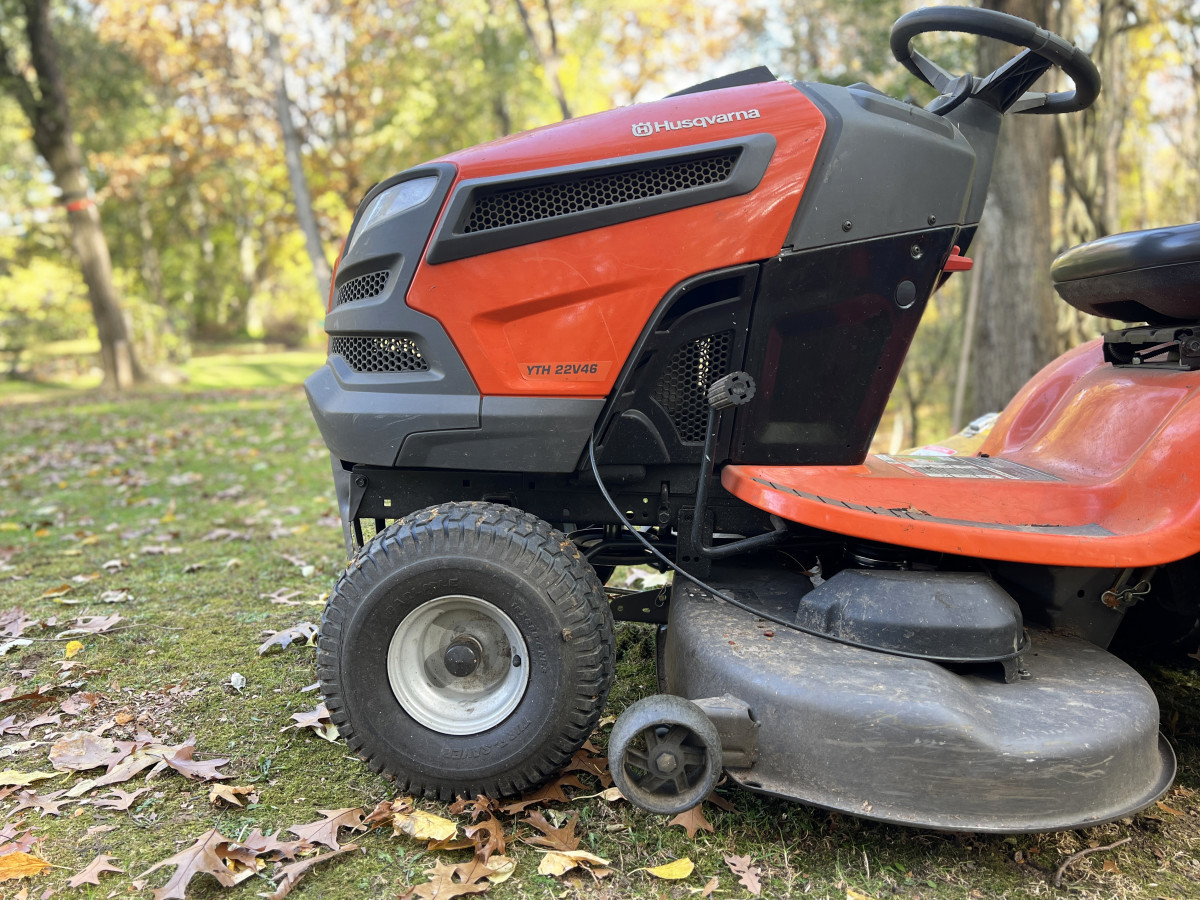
[
  {"x": 641, "y": 606},
  {"x": 1125, "y": 594}
]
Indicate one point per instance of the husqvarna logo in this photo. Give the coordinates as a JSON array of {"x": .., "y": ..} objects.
[{"x": 644, "y": 129}]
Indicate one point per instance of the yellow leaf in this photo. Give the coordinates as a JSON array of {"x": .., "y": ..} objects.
[
  {"x": 51, "y": 593},
  {"x": 852, "y": 894},
  {"x": 559, "y": 862},
  {"x": 424, "y": 826},
  {"x": 20, "y": 865},
  {"x": 674, "y": 870},
  {"x": 72, "y": 649},
  {"x": 9, "y": 526},
  {"x": 13, "y": 777},
  {"x": 502, "y": 868}
]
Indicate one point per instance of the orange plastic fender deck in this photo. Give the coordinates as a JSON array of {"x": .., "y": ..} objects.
[{"x": 1090, "y": 465}]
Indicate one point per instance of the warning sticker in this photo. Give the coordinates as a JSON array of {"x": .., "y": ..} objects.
[{"x": 967, "y": 467}]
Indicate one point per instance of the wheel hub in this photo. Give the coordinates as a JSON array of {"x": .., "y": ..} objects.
[{"x": 454, "y": 665}]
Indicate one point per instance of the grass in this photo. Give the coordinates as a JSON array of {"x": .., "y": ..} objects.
[{"x": 86, "y": 480}]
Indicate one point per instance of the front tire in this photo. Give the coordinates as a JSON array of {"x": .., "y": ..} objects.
[{"x": 466, "y": 650}]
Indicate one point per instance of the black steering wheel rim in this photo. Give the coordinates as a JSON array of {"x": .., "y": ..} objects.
[{"x": 1051, "y": 48}]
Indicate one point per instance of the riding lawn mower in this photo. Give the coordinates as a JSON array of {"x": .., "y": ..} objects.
[{"x": 666, "y": 334}]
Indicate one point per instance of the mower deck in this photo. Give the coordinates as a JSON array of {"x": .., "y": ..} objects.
[{"x": 1073, "y": 744}]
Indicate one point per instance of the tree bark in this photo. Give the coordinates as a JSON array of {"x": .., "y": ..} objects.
[
  {"x": 550, "y": 57},
  {"x": 1015, "y": 335},
  {"x": 293, "y": 157},
  {"x": 53, "y": 134}
]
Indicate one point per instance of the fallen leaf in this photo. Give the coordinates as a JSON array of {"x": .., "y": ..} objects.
[
  {"x": 91, "y": 875},
  {"x": 488, "y": 837},
  {"x": 423, "y": 825},
  {"x": 547, "y": 793},
  {"x": 446, "y": 882},
  {"x": 201, "y": 857},
  {"x": 675, "y": 870},
  {"x": 692, "y": 821},
  {"x": 742, "y": 867},
  {"x": 1170, "y": 810},
  {"x": 14, "y": 645},
  {"x": 707, "y": 890},
  {"x": 231, "y": 794},
  {"x": 122, "y": 801},
  {"x": 81, "y": 750},
  {"x": 287, "y": 876},
  {"x": 480, "y": 806},
  {"x": 596, "y": 766},
  {"x": 305, "y": 631},
  {"x": 720, "y": 802},
  {"x": 54, "y": 592},
  {"x": 318, "y": 720},
  {"x": 852, "y": 894},
  {"x": 563, "y": 838},
  {"x": 324, "y": 831},
  {"x": 91, "y": 625},
  {"x": 559, "y": 862},
  {"x": 47, "y": 803},
  {"x": 11, "y": 776},
  {"x": 20, "y": 865},
  {"x": 270, "y": 845},
  {"x": 180, "y": 759},
  {"x": 27, "y": 727}
]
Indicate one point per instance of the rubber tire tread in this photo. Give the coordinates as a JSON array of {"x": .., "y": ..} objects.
[{"x": 507, "y": 536}]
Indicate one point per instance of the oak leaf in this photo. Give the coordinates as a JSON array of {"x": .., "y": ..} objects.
[
  {"x": 304, "y": 631},
  {"x": 91, "y": 875},
  {"x": 80, "y": 751},
  {"x": 91, "y": 625},
  {"x": 488, "y": 837},
  {"x": 596, "y": 766},
  {"x": 45, "y": 802},
  {"x": 559, "y": 862},
  {"x": 231, "y": 794},
  {"x": 423, "y": 825},
  {"x": 269, "y": 844},
  {"x": 318, "y": 720},
  {"x": 480, "y": 806},
  {"x": 20, "y": 865},
  {"x": 287, "y": 876},
  {"x": 180, "y": 759},
  {"x": 203, "y": 857},
  {"x": 692, "y": 821},
  {"x": 446, "y": 882},
  {"x": 324, "y": 831},
  {"x": 548, "y": 793},
  {"x": 563, "y": 838},
  {"x": 122, "y": 801},
  {"x": 743, "y": 868}
]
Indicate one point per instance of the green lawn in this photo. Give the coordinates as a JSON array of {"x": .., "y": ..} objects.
[{"x": 199, "y": 509}]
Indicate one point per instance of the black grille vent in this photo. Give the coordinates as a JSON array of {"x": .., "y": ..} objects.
[
  {"x": 379, "y": 354},
  {"x": 501, "y": 208},
  {"x": 683, "y": 388},
  {"x": 362, "y": 287}
]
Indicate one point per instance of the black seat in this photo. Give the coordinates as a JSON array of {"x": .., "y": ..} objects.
[{"x": 1141, "y": 276}]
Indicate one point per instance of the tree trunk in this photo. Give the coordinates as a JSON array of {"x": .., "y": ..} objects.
[
  {"x": 53, "y": 134},
  {"x": 1015, "y": 335},
  {"x": 295, "y": 161}
]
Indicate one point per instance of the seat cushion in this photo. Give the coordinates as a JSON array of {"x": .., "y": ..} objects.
[{"x": 1140, "y": 276}]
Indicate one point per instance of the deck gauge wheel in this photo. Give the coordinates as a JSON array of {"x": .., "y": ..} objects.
[
  {"x": 664, "y": 754},
  {"x": 467, "y": 649}
]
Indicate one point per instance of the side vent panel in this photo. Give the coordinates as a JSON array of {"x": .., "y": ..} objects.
[
  {"x": 490, "y": 214},
  {"x": 361, "y": 288},
  {"x": 682, "y": 390}
]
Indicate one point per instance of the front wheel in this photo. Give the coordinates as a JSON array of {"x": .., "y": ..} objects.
[{"x": 467, "y": 650}]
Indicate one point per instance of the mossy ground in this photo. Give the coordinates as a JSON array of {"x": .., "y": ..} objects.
[{"x": 214, "y": 500}]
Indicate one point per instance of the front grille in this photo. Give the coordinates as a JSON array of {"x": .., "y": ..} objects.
[
  {"x": 682, "y": 390},
  {"x": 379, "y": 354},
  {"x": 362, "y": 287},
  {"x": 501, "y": 208}
]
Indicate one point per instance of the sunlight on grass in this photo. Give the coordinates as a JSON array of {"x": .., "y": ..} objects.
[{"x": 236, "y": 370}]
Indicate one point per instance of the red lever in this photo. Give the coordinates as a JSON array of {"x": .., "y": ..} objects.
[{"x": 957, "y": 263}]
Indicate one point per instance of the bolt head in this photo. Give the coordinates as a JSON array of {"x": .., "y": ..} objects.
[{"x": 666, "y": 762}]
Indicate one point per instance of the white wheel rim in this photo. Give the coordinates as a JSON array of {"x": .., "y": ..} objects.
[{"x": 445, "y": 702}]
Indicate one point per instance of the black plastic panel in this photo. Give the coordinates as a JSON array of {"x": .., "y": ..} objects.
[{"x": 830, "y": 330}]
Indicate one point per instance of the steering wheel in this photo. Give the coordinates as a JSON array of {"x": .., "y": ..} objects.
[{"x": 1007, "y": 88}]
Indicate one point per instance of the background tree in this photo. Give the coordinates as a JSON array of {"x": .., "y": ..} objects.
[{"x": 35, "y": 80}]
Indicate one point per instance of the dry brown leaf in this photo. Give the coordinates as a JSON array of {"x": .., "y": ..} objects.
[
  {"x": 692, "y": 821},
  {"x": 381, "y": 814},
  {"x": 232, "y": 795},
  {"x": 720, "y": 802},
  {"x": 597, "y": 766},
  {"x": 318, "y": 720},
  {"x": 45, "y": 802},
  {"x": 707, "y": 890},
  {"x": 180, "y": 759},
  {"x": 548, "y": 793},
  {"x": 91, "y": 875},
  {"x": 559, "y": 862},
  {"x": 446, "y": 882},
  {"x": 91, "y": 625},
  {"x": 480, "y": 806},
  {"x": 204, "y": 856},
  {"x": 80, "y": 751},
  {"x": 423, "y": 826},
  {"x": 304, "y": 631},
  {"x": 269, "y": 844},
  {"x": 287, "y": 876},
  {"x": 20, "y": 865},
  {"x": 563, "y": 838},
  {"x": 743, "y": 868},
  {"x": 122, "y": 801},
  {"x": 324, "y": 831},
  {"x": 488, "y": 837}
]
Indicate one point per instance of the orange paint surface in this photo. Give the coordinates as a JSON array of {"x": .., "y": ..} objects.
[
  {"x": 1116, "y": 447},
  {"x": 583, "y": 299}
]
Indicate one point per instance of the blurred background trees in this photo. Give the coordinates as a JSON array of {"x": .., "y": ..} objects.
[{"x": 226, "y": 145}]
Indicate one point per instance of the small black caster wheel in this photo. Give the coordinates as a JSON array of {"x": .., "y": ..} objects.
[{"x": 664, "y": 754}]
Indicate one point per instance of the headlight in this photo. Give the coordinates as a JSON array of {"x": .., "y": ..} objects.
[{"x": 394, "y": 201}]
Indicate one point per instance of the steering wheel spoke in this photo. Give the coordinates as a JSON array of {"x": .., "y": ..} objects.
[
  {"x": 938, "y": 77},
  {"x": 1006, "y": 86}
]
